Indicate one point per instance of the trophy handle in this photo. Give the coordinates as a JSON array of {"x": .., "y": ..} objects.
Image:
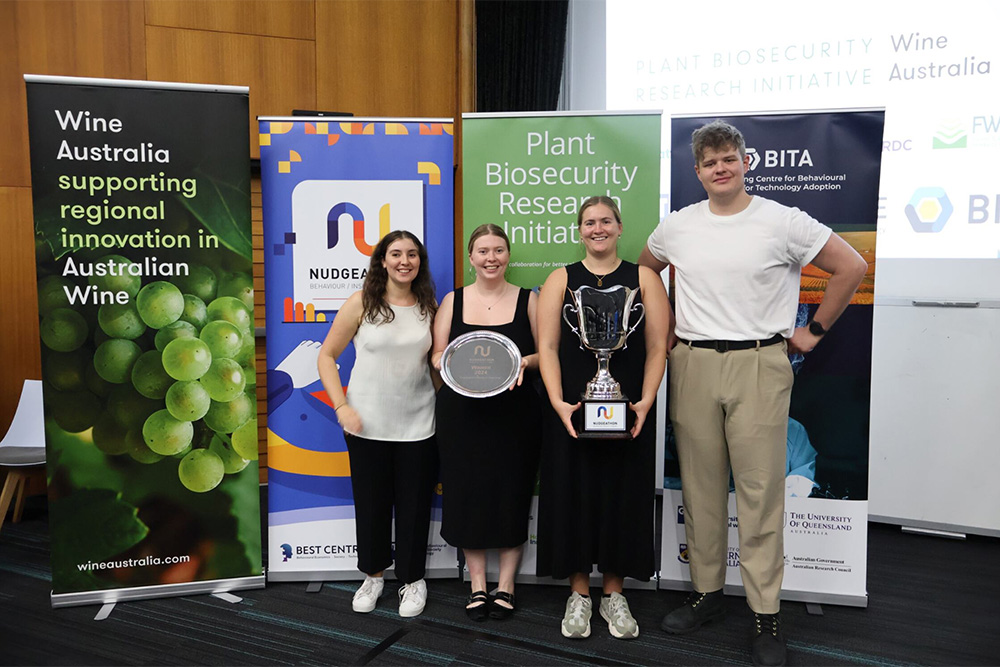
[
  {"x": 569, "y": 321},
  {"x": 642, "y": 315}
]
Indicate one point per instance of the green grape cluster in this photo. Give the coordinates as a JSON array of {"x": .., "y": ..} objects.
[{"x": 168, "y": 375}]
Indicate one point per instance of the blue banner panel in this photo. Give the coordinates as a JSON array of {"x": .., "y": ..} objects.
[
  {"x": 826, "y": 164},
  {"x": 330, "y": 192}
]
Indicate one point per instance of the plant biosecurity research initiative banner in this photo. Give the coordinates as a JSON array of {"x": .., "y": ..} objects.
[
  {"x": 826, "y": 164},
  {"x": 141, "y": 196},
  {"x": 331, "y": 190},
  {"x": 529, "y": 173}
]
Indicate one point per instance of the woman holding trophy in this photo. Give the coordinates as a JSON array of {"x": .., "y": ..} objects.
[
  {"x": 388, "y": 415},
  {"x": 598, "y": 457},
  {"x": 489, "y": 445}
]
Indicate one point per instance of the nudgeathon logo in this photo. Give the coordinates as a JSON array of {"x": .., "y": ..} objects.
[
  {"x": 929, "y": 209},
  {"x": 606, "y": 412},
  {"x": 950, "y": 134},
  {"x": 335, "y": 227}
]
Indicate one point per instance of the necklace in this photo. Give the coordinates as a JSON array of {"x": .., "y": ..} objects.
[
  {"x": 503, "y": 293},
  {"x": 601, "y": 277}
]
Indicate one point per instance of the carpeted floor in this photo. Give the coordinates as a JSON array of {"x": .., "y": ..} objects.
[{"x": 932, "y": 602}]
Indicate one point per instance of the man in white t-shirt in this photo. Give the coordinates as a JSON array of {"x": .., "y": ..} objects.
[{"x": 737, "y": 260}]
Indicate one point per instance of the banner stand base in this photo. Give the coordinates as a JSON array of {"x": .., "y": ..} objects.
[
  {"x": 110, "y": 597},
  {"x": 105, "y": 611},
  {"x": 317, "y": 577},
  {"x": 786, "y": 595}
]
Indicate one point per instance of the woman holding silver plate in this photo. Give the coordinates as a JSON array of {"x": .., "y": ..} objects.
[
  {"x": 488, "y": 440},
  {"x": 596, "y": 498}
]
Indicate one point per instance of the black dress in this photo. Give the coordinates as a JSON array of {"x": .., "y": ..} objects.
[
  {"x": 489, "y": 449},
  {"x": 596, "y": 497}
]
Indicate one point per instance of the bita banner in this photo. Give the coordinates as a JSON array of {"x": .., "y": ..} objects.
[
  {"x": 826, "y": 164},
  {"x": 529, "y": 173},
  {"x": 141, "y": 195},
  {"x": 331, "y": 191}
]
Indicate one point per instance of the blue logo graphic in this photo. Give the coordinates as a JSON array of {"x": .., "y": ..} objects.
[
  {"x": 929, "y": 209},
  {"x": 286, "y": 551}
]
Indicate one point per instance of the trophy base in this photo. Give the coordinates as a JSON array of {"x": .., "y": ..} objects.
[{"x": 604, "y": 419}]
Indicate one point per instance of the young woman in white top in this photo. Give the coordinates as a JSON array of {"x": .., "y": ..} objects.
[{"x": 388, "y": 415}]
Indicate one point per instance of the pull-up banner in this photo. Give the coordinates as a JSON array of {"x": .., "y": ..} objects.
[
  {"x": 330, "y": 191},
  {"x": 529, "y": 173},
  {"x": 826, "y": 164},
  {"x": 141, "y": 196}
]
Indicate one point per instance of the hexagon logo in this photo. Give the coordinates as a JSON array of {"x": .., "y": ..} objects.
[
  {"x": 754, "y": 158},
  {"x": 929, "y": 209}
]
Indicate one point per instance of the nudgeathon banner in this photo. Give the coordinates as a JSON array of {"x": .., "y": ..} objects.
[
  {"x": 141, "y": 196},
  {"x": 331, "y": 190},
  {"x": 825, "y": 163},
  {"x": 529, "y": 173}
]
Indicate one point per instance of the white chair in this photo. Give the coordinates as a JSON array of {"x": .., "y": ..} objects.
[{"x": 22, "y": 450}]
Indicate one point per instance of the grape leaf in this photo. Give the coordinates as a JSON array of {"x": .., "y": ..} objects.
[
  {"x": 84, "y": 465},
  {"x": 244, "y": 490},
  {"x": 224, "y": 210},
  {"x": 90, "y": 526}
]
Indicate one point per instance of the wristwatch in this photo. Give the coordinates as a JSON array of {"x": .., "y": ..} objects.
[{"x": 816, "y": 329}]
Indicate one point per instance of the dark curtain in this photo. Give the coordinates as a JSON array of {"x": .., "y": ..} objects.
[{"x": 519, "y": 54}]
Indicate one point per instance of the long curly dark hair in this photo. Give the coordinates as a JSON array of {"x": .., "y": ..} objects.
[{"x": 375, "y": 309}]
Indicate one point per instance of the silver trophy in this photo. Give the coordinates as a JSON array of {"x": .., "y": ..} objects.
[{"x": 604, "y": 321}]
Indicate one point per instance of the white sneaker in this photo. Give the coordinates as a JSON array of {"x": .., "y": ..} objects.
[
  {"x": 576, "y": 621},
  {"x": 412, "y": 598},
  {"x": 367, "y": 596},
  {"x": 621, "y": 623}
]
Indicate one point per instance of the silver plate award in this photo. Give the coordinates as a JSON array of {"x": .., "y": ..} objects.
[{"x": 480, "y": 364}]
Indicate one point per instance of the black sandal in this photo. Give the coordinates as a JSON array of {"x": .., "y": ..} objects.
[
  {"x": 498, "y": 611},
  {"x": 481, "y": 611}
]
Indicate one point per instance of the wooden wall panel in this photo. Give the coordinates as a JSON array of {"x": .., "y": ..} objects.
[
  {"x": 276, "y": 18},
  {"x": 387, "y": 58},
  {"x": 18, "y": 300},
  {"x": 281, "y": 73},
  {"x": 14, "y": 168},
  {"x": 81, "y": 38}
]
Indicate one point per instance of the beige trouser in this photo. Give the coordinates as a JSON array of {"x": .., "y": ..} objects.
[{"x": 732, "y": 408}]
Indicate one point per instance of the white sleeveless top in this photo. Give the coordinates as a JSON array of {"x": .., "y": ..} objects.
[{"x": 390, "y": 385}]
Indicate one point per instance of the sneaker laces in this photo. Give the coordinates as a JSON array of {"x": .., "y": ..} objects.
[
  {"x": 366, "y": 587},
  {"x": 618, "y": 607},
  {"x": 766, "y": 624},
  {"x": 576, "y": 609},
  {"x": 407, "y": 593}
]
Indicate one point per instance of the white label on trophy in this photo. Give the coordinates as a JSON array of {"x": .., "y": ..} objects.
[{"x": 608, "y": 416}]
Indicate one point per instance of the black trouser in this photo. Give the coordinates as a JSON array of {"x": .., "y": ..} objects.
[{"x": 386, "y": 476}]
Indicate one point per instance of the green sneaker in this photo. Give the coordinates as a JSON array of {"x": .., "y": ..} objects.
[
  {"x": 621, "y": 624},
  {"x": 576, "y": 620}
]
